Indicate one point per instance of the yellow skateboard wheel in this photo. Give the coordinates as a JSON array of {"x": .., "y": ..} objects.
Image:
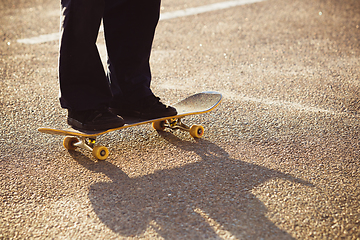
[
  {"x": 197, "y": 131},
  {"x": 159, "y": 125},
  {"x": 69, "y": 143},
  {"x": 100, "y": 152}
]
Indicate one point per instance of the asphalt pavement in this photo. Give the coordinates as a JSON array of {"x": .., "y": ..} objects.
[{"x": 279, "y": 158}]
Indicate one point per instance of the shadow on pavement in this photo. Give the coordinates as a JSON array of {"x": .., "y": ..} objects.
[{"x": 201, "y": 200}]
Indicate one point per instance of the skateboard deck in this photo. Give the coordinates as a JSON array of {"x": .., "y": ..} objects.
[{"x": 198, "y": 103}]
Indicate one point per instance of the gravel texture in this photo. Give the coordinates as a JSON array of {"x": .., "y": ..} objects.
[{"x": 280, "y": 155}]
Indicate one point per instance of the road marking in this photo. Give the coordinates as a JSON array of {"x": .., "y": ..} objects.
[
  {"x": 267, "y": 101},
  {"x": 284, "y": 104},
  {"x": 206, "y": 8},
  {"x": 40, "y": 39},
  {"x": 165, "y": 16}
]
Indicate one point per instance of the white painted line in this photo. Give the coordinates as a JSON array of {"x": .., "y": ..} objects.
[
  {"x": 267, "y": 101},
  {"x": 40, "y": 39},
  {"x": 165, "y": 16},
  {"x": 284, "y": 104},
  {"x": 206, "y": 8}
]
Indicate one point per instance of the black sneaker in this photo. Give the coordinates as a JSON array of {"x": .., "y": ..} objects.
[
  {"x": 148, "y": 108},
  {"x": 94, "y": 120}
]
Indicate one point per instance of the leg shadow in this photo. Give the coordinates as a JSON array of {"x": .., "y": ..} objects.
[{"x": 197, "y": 201}]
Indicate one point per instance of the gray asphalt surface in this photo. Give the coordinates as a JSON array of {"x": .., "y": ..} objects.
[{"x": 279, "y": 159}]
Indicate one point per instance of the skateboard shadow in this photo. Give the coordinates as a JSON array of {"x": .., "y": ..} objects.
[{"x": 187, "y": 202}]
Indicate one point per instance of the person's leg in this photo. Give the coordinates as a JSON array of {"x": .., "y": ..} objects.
[
  {"x": 129, "y": 32},
  {"x": 84, "y": 88},
  {"x": 83, "y": 82}
]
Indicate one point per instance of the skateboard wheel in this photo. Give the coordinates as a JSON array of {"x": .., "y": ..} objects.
[
  {"x": 197, "y": 131},
  {"x": 100, "y": 152},
  {"x": 159, "y": 125},
  {"x": 69, "y": 143}
]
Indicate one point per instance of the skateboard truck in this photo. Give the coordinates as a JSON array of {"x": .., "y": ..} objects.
[
  {"x": 196, "y": 131},
  {"x": 99, "y": 152}
]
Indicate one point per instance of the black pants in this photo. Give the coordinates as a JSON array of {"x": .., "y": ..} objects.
[{"x": 129, "y": 27}]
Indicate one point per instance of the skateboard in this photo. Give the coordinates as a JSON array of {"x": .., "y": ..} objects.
[{"x": 198, "y": 103}]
